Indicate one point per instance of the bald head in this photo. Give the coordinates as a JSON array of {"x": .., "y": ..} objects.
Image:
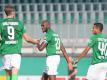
[
  {"x": 46, "y": 22},
  {"x": 45, "y": 25}
]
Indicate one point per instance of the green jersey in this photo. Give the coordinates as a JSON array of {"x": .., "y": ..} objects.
[
  {"x": 53, "y": 42},
  {"x": 11, "y": 31},
  {"x": 98, "y": 43}
]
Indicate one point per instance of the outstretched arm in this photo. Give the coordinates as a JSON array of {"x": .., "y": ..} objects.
[
  {"x": 41, "y": 46},
  {"x": 68, "y": 58},
  {"x": 29, "y": 39},
  {"x": 84, "y": 53},
  {"x": 65, "y": 53}
]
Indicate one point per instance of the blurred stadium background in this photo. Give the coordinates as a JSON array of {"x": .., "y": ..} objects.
[{"x": 71, "y": 19}]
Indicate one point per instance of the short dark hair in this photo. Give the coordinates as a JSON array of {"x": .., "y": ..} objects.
[
  {"x": 99, "y": 25},
  {"x": 8, "y": 9}
]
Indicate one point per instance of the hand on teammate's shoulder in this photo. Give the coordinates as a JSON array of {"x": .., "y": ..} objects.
[{"x": 37, "y": 41}]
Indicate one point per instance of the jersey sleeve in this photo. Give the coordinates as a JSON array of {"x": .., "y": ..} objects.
[
  {"x": 92, "y": 41},
  {"x": 48, "y": 37}
]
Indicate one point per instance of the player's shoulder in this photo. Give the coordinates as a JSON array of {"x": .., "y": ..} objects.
[
  {"x": 15, "y": 19},
  {"x": 93, "y": 37},
  {"x": 1, "y": 19},
  {"x": 105, "y": 36}
]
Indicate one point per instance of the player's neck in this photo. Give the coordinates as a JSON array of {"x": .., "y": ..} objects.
[
  {"x": 10, "y": 16},
  {"x": 47, "y": 30},
  {"x": 99, "y": 33}
]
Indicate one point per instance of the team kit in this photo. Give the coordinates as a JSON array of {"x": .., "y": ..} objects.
[{"x": 13, "y": 32}]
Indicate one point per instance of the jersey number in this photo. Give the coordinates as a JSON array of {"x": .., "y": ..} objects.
[
  {"x": 103, "y": 48},
  {"x": 11, "y": 32},
  {"x": 57, "y": 43}
]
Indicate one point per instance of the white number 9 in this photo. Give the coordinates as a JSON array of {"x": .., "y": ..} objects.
[{"x": 10, "y": 30}]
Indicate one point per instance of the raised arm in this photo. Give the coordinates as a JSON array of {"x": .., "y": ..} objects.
[
  {"x": 29, "y": 39},
  {"x": 84, "y": 53}
]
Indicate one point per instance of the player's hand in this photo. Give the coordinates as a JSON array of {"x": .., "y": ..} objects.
[
  {"x": 37, "y": 41},
  {"x": 72, "y": 74}
]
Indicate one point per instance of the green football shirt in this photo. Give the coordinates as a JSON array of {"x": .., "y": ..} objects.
[
  {"x": 53, "y": 43},
  {"x": 98, "y": 43},
  {"x": 11, "y": 31}
]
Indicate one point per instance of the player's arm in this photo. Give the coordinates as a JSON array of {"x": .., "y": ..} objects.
[
  {"x": 67, "y": 57},
  {"x": 26, "y": 36},
  {"x": 64, "y": 53},
  {"x": 46, "y": 39},
  {"x": 91, "y": 43},
  {"x": 42, "y": 46},
  {"x": 83, "y": 54},
  {"x": 29, "y": 39}
]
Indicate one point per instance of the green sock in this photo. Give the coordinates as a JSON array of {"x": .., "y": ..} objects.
[
  {"x": 14, "y": 77},
  {"x": 8, "y": 77}
]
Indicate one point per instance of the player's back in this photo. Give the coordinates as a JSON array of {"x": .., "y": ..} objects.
[
  {"x": 11, "y": 31},
  {"x": 99, "y": 48}
]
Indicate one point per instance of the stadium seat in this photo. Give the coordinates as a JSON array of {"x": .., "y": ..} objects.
[
  {"x": 63, "y": 13},
  {"x": 30, "y": 1},
  {"x": 105, "y": 17},
  {"x": 96, "y": 17},
  {"x": 95, "y": 7},
  {"x": 16, "y": 8},
  {"x": 104, "y": 7},
  {"x": 24, "y": 8},
  {"x": 63, "y": 7},
  {"x": 14, "y": 1},
  {"x": 79, "y": 7},
  {"x": 80, "y": 19},
  {"x": 32, "y": 18},
  {"x": 64, "y": 18},
  {"x": 71, "y": 7},
  {"x": 72, "y": 18},
  {"x": 7, "y": 1},
  {"x": 88, "y": 17},
  {"x": 48, "y": 16},
  {"x": 55, "y": 7},
  {"x": 40, "y": 18},
  {"x": 1, "y": 8},
  {"x": 56, "y": 18},
  {"x": 25, "y": 17},
  {"x": 87, "y": 7},
  {"x": 39, "y": 7},
  {"x": 1, "y": 1},
  {"x": 47, "y": 7},
  {"x": 37, "y": 1},
  {"x": 22, "y": 1},
  {"x": 31, "y": 8}
]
